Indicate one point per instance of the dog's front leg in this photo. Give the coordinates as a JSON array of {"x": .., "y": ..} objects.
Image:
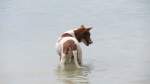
[
  {"x": 80, "y": 56},
  {"x": 76, "y": 59}
]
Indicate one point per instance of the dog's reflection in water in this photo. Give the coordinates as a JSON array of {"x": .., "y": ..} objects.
[{"x": 72, "y": 75}]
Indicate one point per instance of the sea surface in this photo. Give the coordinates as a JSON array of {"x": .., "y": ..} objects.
[{"x": 120, "y": 53}]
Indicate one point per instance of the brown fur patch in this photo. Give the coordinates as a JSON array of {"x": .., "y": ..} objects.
[
  {"x": 66, "y": 35},
  {"x": 83, "y": 33},
  {"x": 69, "y": 46},
  {"x": 79, "y": 33}
]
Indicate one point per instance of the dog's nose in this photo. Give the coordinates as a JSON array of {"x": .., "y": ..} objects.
[{"x": 91, "y": 42}]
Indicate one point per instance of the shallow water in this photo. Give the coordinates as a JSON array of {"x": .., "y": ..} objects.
[{"x": 119, "y": 55}]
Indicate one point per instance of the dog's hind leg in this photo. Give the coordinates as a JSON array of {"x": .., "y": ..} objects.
[
  {"x": 62, "y": 61},
  {"x": 69, "y": 55},
  {"x": 76, "y": 59}
]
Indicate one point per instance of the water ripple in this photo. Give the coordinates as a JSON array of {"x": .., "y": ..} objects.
[{"x": 73, "y": 75}]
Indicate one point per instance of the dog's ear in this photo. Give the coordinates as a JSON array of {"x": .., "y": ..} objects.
[
  {"x": 88, "y": 29},
  {"x": 82, "y": 26},
  {"x": 83, "y": 30}
]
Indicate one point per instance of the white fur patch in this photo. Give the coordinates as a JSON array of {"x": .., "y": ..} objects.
[{"x": 77, "y": 54}]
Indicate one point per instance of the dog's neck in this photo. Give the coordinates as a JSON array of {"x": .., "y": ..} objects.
[
  {"x": 72, "y": 33},
  {"x": 66, "y": 35}
]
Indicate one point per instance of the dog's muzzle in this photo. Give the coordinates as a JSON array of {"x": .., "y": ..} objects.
[{"x": 90, "y": 42}]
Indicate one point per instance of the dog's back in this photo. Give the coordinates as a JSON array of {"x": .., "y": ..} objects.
[{"x": 61, "y": 40}]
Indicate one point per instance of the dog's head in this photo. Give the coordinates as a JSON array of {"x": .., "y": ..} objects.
[{"x": 83, "y": 35}]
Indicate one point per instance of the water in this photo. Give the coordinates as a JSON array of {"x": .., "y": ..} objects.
[{"x": 119, "y": 54}]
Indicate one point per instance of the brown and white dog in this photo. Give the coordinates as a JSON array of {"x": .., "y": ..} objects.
[{"x": 68, "y": 46}]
